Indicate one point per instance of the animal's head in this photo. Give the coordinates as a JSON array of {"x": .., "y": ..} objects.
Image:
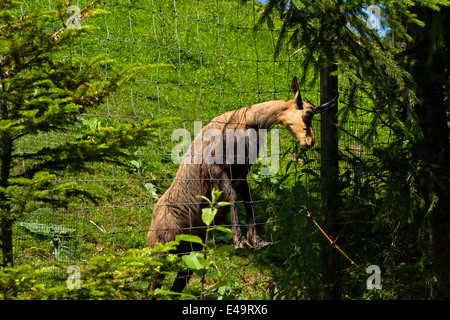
[{"x": 299, "y": 114}]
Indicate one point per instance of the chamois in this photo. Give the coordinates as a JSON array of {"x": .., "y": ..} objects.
[{"x": 179, "y": 210}]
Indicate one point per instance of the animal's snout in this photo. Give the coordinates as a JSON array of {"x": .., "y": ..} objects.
[{"x": 307, "y": 144}]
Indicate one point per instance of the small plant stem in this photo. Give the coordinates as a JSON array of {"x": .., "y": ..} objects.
[{"x": 203, "y": 272}]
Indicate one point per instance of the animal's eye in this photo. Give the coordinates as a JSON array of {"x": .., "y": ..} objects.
[{"x": 307, "y": 117}]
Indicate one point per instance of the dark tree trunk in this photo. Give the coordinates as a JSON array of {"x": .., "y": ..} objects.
[{"x": 329, "y": 168}]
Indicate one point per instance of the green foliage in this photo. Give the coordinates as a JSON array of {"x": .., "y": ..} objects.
[
  {"x": 393, "y": 207},
  {"x": 201, "y": 262},
  {"x": 122, "y": 276},
  {"x": 337, "y": 32},
  {"x": 43, "y": 89},
  {"x": 62, "y": 248},
  {"x": 210, "y": 212}
]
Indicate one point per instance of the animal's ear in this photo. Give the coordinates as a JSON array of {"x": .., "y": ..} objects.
[{"x": 296, "y": 93}]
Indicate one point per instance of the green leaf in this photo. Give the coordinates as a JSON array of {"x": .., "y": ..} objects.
[
  {"x": 225, "y": 249},
  {"x": 152, "y": 189},
  {"x": 46, "y": 230},
  {"x": 188, "y": 238},
  {"x": 228, "y": 283},
  {"x": 159, "y": 291},
  {"x": 298, "y": 4},
  {"x": 195, "y": 261},
  {"x": 227, "y": 231},
  {"x": 63, "y": 251},
  {"x": 204, "y": 198},
  {"x": 311, "y": 172},
  {"x": 135, "y": 163},
  {"x": 215, "y": 195},
  {"x": 208, "y": 215},
  {"x": 222, "y": 204}
]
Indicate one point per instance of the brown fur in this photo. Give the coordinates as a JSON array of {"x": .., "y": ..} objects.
[{"x": 178, "y": 211}]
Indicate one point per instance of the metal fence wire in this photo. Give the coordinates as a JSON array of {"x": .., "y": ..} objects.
[{"x": 208, "y": 59}]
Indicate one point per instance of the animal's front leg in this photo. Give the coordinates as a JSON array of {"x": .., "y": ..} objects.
[
  {"x": 239, "y": 240},
  {"x": 256, "y": 241},
  {"x": 230, "y": 194}
]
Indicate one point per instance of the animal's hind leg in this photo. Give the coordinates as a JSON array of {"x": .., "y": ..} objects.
[
  {"x": 181, "y": 281},
  {"x": 178, "y": 285},
  {"x": 156, "y": 283},
  {"x": 252, "y": 236},
  {"x": 183, "y": 277}
]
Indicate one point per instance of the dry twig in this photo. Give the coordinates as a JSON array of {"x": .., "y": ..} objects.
[{"x": 333, "y": 243}]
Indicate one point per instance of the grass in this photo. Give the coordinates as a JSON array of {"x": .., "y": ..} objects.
[{"x": 209, "y": 61}]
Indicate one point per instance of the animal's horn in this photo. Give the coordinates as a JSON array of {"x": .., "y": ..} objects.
[{"x": 327, "y": 106}]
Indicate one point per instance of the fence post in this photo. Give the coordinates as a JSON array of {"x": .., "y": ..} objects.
[{"x": 329, "y": 171}]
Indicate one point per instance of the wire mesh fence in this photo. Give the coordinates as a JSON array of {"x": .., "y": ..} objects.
[{"x": 208, "y": 59}]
